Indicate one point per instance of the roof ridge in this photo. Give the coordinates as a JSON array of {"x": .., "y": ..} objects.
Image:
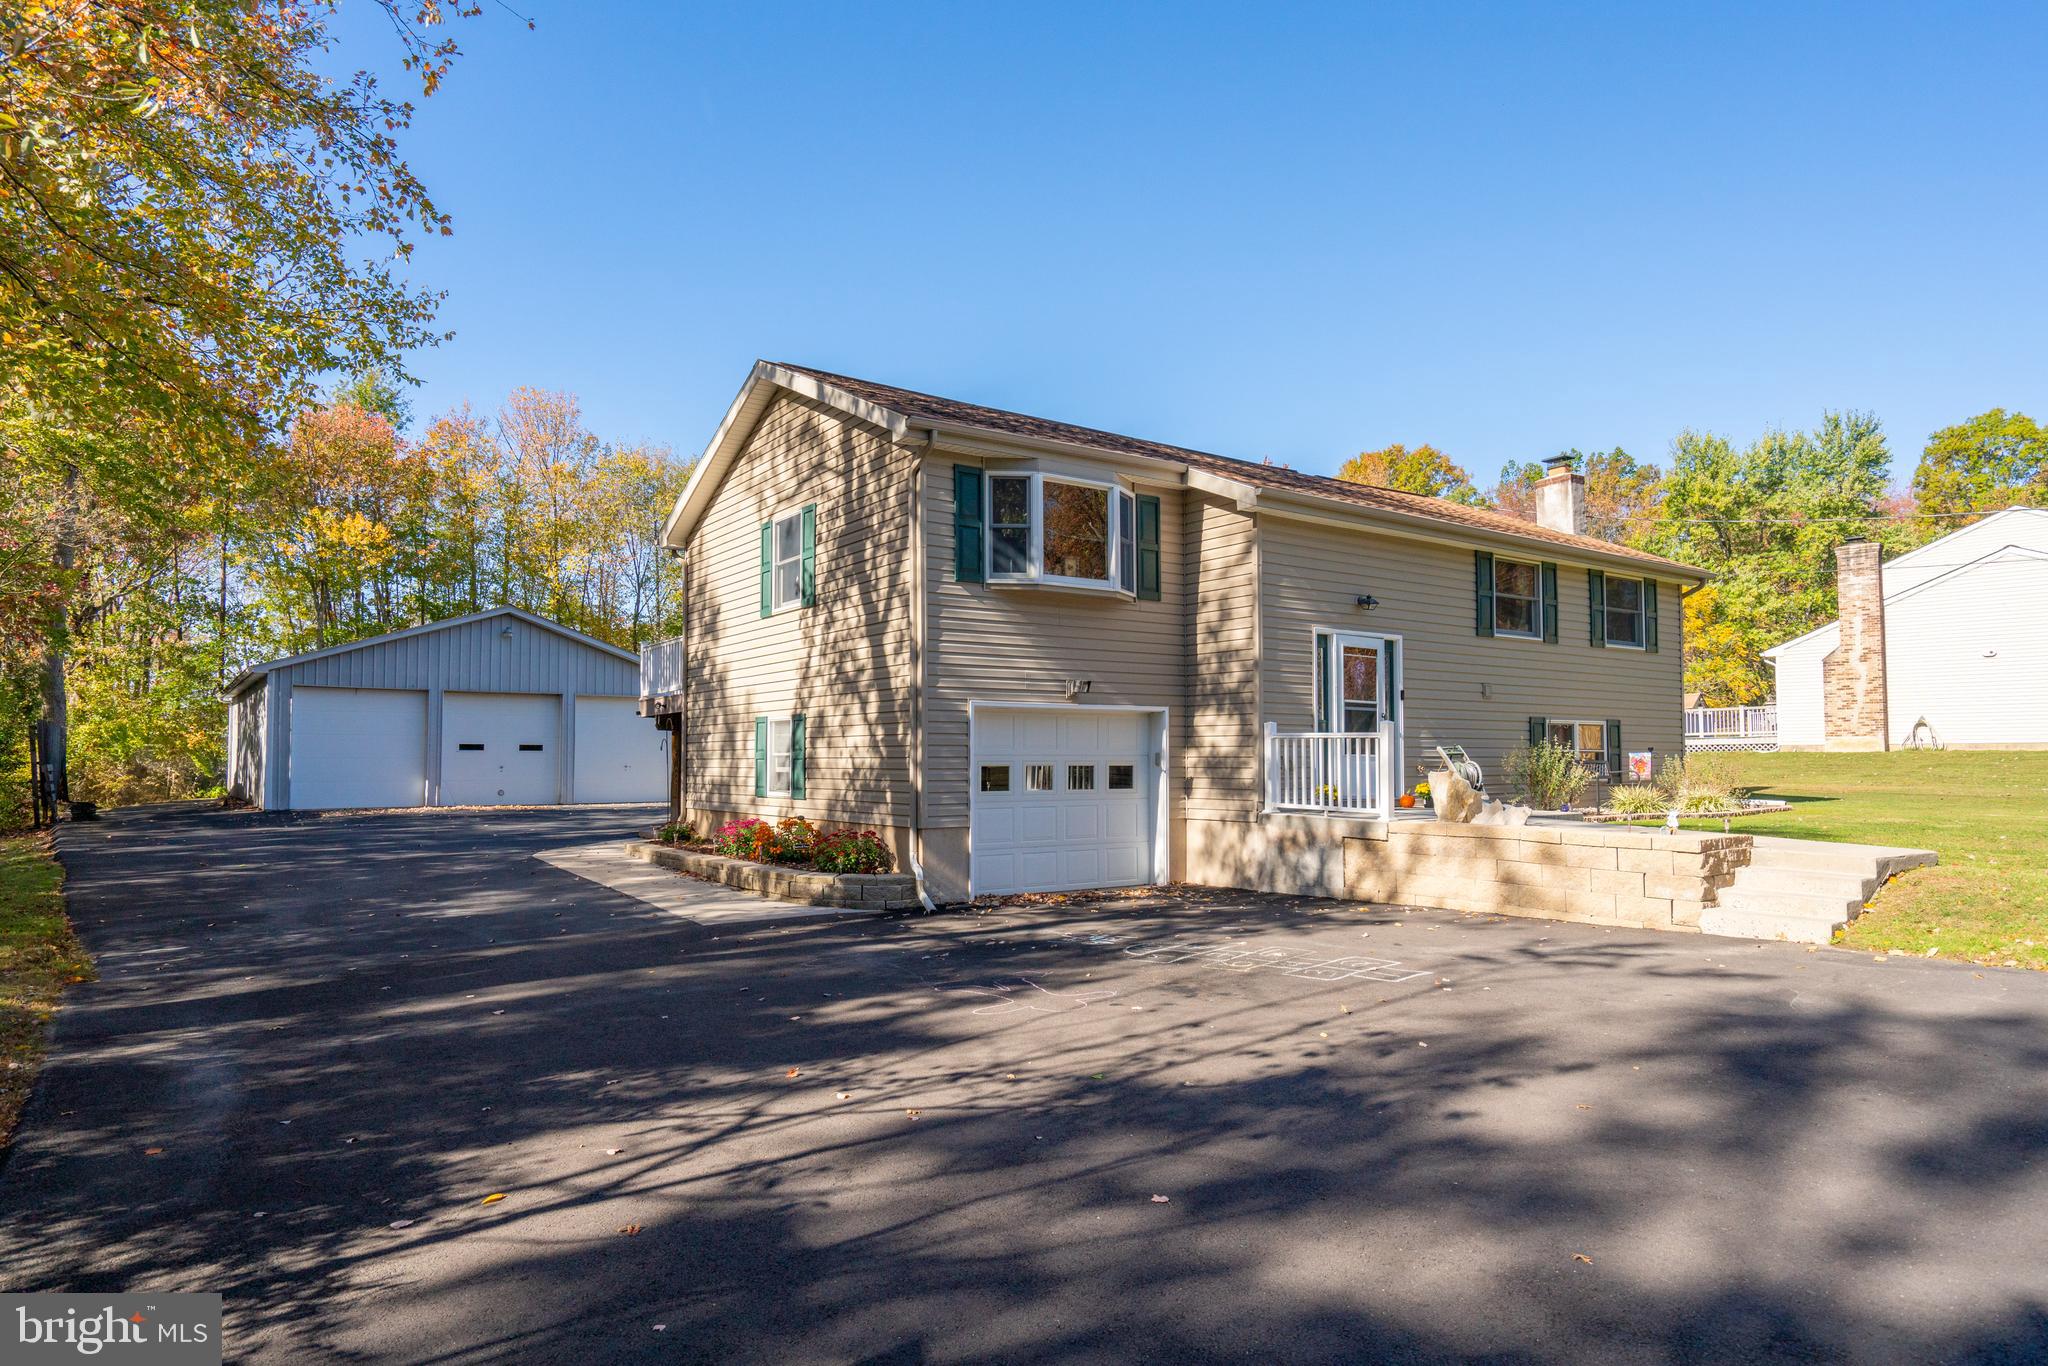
[{"x": 1282, "y": 477}]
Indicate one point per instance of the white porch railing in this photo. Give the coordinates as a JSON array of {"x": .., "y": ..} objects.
[
  {"x": 661, "y": 668},
  {"x": 1324, "y": 771},
  {"x": 1732, "y": 727}
]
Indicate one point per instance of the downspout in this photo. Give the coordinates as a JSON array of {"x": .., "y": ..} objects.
[{"x": 917, "y": 625}]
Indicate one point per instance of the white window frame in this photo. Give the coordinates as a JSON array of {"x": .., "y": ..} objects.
[
  {"x": 1601, "y": 767},
  {"x": 1535, "y": 600},
  {"x": 1117, "y": 549},
  {"x": 784, "y": 757},
  {"x": 776, "y": 602},
  {"x": 1643, "y": 590}
]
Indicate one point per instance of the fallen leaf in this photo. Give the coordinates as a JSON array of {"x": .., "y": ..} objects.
[
  {"x": 792, "y": 1072},
  {"x": 1420, "y": 1044},
  {"x": 152, "y": 1152},
  {"x": 846, "y": 1095},
  {"x": 401, "y": 1223},
  {"x": 613, "y": 1152},
  {"x": 913, "y": 1113},
  {"x": 630, "y": 1230},
  {"x": 1159, "y": 1199},
  {"x": 493, "y": 1199},
  {"x": 1585, "y": 1107}
]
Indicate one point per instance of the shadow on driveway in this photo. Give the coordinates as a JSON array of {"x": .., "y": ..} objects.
[{"x": 1380, "y": 1134}]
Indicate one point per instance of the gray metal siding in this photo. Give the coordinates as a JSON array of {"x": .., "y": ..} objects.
[{"x": 475, "y": 657}]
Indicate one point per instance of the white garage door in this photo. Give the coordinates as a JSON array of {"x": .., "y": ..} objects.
[
  {"x": 620, "y": 756},
  {"x": 1063, "y": 799},
  {"x": 357, "y": 747},
  {"x": 500, "y": 749}
]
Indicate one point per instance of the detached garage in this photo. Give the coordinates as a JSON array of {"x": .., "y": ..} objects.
[{"x": 500, "y": 708}]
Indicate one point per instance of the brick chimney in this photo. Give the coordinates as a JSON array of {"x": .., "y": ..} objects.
[
  {"x": 1561, "y": 497},
  {"x": 1853, "y": 700}
]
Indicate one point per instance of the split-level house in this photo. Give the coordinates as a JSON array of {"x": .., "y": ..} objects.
[{"x": 1037, "y": 656}]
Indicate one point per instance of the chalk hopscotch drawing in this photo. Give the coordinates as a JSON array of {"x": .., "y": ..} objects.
[
  {"x": 1304, "y": 961},
  {"x": 1023, "y": 994}
]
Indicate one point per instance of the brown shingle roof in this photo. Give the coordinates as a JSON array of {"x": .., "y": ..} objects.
[{"x": 929, "y": 408}]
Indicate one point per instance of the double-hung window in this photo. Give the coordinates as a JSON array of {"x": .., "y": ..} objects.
[
  {"x": 781, "y": 758},
  {"x": 1624, "y": 611},
  {"x": 1047, "y": 529},
  {"x": 789, "y": 561},
  {"x": 1517, "y": 599}
]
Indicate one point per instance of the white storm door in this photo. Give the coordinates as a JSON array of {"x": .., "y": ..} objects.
[
  {"x": 357, "y": 747},
  {"x": 620, "y": 755},
  {"x": 500, "y": 749},
  {"x": 1064, "y": 799}
]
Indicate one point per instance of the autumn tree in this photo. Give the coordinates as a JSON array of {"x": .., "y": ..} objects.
[
  {"x": 1995, "y": 460},
  {"x": 1424, "y": 470},
  {"x": 182, "y": 197}
]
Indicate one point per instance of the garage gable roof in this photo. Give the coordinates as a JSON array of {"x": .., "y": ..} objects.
[
  {"x": 248, "y": 677},
  {"x": 903, "y": 411}
]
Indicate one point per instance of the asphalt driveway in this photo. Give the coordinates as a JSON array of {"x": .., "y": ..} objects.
[{"x": 1377, "y": 1134}]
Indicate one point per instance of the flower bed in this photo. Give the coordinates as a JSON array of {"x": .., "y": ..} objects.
[{"x": 791, "y": 861}]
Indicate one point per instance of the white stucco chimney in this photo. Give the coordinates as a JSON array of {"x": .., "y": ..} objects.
[{"x": 1561, "y": 497}]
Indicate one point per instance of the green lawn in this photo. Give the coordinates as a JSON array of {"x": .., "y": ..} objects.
[
  {"x": 39, "y": 957},
  {"x": 1984, "y": 812}
]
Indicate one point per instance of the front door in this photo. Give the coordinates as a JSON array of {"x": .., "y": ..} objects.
[{"x": 1360, "y": 695}]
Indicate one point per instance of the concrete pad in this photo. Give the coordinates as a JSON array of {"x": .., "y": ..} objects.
[{"x": 613, "y": 864}]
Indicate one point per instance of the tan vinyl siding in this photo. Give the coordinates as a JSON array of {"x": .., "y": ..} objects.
[
  {"x": 1312, "y": 577},
  {"x": 845, "y": 661},
  {"x": 1219, "y": 735},
  {"x": 1003, "y": 644}
]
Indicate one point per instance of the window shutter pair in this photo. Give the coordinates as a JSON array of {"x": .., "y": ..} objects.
[
  {"x": 1549, "y": 603},
  {"x": 1596, "y": 607},
  {"x": 809, "y": 570},
  {"x": 969, "y": 550},
  {"x": 1148, "y": 547},
  {"x": 796, "y": 756},
  {"x": 1482, "y": 592}
]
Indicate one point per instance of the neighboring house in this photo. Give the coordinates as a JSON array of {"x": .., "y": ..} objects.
[
  {"x": 496, "y": 708},
  {"x": 1945, "y": 640},
  {"x": 1037, "y": 656}
]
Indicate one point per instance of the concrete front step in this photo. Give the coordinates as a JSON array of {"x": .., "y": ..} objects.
[{"x": 1804, "y": 890}]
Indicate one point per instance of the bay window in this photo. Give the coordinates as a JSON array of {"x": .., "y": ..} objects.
[{"x": 1047, "y": 529}]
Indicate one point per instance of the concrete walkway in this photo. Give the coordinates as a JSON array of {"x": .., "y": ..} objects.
[{"x": 611, "y": 863}]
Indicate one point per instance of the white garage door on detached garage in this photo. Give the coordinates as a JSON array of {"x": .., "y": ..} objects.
[
  {"x": 620, "y": 756},
  {"x": 1064, "y": 798},
  {"x": 354, "y": 747},
  {"x": 500, "y": 749}
]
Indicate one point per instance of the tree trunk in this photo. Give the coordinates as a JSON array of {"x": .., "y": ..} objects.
[{"x": 56, "y": 658}]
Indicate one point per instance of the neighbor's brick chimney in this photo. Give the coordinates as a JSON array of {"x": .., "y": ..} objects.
[
  {"x": 1852, "y": 676},
  {"x": 1561, "y": 497}
]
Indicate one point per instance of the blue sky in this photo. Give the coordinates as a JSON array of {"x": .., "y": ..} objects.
[{"x": 1293, "y": 232}]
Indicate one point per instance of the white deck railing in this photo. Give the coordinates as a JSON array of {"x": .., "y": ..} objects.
[
  {"x": 1323, "y": 771},
  {"x": 1732, "y": 727},
  {"x": 661, "y": 668}
]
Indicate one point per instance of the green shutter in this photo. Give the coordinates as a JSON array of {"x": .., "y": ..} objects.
[
  {"x": 1549, "y": 603},
  {"x": 760, "y": 756},
  {"x": 810, "y": 569},
  {"x": 970, "y": 555},
  {"x": 1148, "y": 547},
  {"x": 1392, "y": 702},
  {"x": 1323, "y": 683},
  {"x": 1539, "y": 730},
  {"x": 1617, "y": 762},
  {"x": 1482, "y": 592},
  {"x": 1650, "y": 615},
  {"x": 796, "y": 755},
  {"x": 767, "y": 569},
  {"x": 1596, "y": 606}
]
